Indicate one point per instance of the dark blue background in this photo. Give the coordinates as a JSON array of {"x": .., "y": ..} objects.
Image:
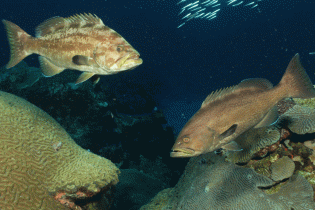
[{"x": 182, "y": 66}]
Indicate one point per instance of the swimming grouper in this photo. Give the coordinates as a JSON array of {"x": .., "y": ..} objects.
[
  {"x": 227, "y": 113},
  {"x": 80, "y": 42}
]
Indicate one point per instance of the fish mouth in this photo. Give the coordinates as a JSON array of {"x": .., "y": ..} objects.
[
  {"x": 132, "y": 60},
  {"x": 184, "y": 153}
]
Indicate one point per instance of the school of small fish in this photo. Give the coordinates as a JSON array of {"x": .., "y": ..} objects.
[{"x": 208, "y": 9}]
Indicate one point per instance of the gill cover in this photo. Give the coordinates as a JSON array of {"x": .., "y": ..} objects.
[{"x": 99, "y": 55}]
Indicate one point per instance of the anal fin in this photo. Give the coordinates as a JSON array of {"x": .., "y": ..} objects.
[
  {"x": 95, "y": 79},
  {"x": 84, "y": 76},
  {"x": 48, "y": 68}
]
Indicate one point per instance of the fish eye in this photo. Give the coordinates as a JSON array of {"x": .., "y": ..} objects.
[
  {"x": 120, "y": 48},
  {"x": 186, "y": 139}
]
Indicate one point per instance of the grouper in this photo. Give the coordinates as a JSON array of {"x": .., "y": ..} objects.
[
  {"x": 227, "y": 113},
  {"x": 80, "y": 42}
]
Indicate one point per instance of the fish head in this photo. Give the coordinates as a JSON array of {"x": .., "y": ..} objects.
[
  {"x": 116, "y": 54},
  {"x": 194, "y": 140}
]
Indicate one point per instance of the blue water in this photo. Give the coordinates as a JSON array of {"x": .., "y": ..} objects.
[{"x": 181, "y": 66}]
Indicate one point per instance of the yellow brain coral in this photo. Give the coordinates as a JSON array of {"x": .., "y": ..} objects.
[{"x": 40, "y": 165}]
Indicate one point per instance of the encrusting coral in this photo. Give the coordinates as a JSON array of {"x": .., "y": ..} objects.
[
  {"x": 209, "y": 182},
  {"x": 252, "y": 141},
  {"x": 41, "y": 167},
  {"x": 276, "y": 170},
  {"x": 300, "y": 119},
  {"x": 281, "y": 169}
]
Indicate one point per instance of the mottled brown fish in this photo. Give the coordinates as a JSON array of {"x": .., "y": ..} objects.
[
  {"x": 227, "y": 113},
  {"x": 81, "y": 42}
]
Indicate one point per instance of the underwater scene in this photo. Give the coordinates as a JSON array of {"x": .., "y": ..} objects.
[{"x": 157, "y": 105}]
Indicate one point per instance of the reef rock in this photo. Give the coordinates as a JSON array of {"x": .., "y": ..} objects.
[
  {"x": 209, "y": 182},
  {"x": 41, "y": 166}
]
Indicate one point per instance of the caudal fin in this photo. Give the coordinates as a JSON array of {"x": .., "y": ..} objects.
[
  {"x": 295, "y": 81},
  {"x": 17, "y": 40}
]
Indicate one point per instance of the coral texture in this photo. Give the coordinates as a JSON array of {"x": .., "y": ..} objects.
[
  {"x": 300, "y": 119},
  {"x": 209, "y": 182},
  {"x": 277, "y": 170},
  {"x": 252, "y": 141},
  {"x": 281, "y": 169},
  {"x": 41, "y": 164},
  {"x": 160, "y": 200},
  {"x": 309, "y": 102}
]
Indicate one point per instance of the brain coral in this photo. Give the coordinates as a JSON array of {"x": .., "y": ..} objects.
[
  {"x": 281, "y": 169},
  {"x": 297, "y": 194},
  {"x": 300, "y": 119},
  {"x": 211, "y": 183},
  {"x": 41, "y": 164}
]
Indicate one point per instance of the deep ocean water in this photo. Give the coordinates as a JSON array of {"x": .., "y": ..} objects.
[{"x": 132, "y": 118}]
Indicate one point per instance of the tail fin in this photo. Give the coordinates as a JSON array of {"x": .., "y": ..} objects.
[
  {"x": 295, "y": 81},
  {"x": 17, "y": 40}
]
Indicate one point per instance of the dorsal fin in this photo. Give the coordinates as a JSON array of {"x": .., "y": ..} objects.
[
  {"x": 218, "y": 94},
  {"x": 256, "y": 83},
  {"x": 77, "y": 21},
  {"x": 259, "y": 83},
  {"x": 49, "y": 26}
]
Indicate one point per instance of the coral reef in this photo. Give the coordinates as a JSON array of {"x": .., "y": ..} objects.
[
  {"x": 282, "y": 169},
  {"x": 42, "y": 165},
  {"x": 88, "y": 112},
  {"x": 252, "y": 141},
  {"x": 160, "y": 200},
  {"x": 209, "y": 182},
  {"x": 105, "y": 119},
  {"x": 309, "y": 102},
  {"x": 284, "y": 105},
  {"x": 276, "y": 167},
  {"x": 300, "y": 119}
]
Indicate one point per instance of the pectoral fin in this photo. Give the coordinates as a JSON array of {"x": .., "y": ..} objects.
[
  {"x": 228, "y": 132},
  {"x": 270, "y": 118},
  {"x": 232, "y": 146},
  {"x": 82, "y": 60},
  {"x": 84, "y": 76},
  {"x": 48, "y": 68}
]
